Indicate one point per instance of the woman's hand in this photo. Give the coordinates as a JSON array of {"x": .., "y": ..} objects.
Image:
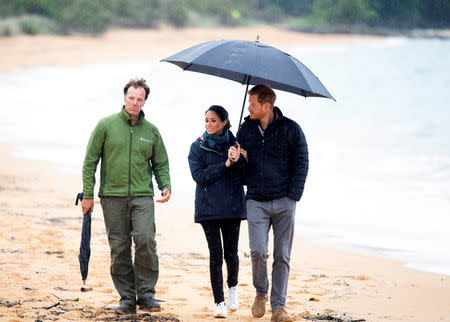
[{"x": 234, "y": 153}]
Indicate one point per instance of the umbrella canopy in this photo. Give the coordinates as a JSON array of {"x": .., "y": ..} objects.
[
  {"x": 250, "y": 62},
  {"x": 85, "y": 244}
]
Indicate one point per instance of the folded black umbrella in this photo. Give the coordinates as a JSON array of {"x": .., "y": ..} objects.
[{"x": 85, "y": 244}]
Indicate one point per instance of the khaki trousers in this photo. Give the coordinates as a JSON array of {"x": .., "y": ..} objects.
[{"x": 130, "y": 220}]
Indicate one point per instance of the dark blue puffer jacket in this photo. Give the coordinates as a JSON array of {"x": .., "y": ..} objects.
[
  {"x": 219, "y": 193},
  {"x": 277, "y": 159}
]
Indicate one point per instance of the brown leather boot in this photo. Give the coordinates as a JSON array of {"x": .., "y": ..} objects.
[
  {"x": 280, "y": 315},
  {"x": 259, "y": 306}
]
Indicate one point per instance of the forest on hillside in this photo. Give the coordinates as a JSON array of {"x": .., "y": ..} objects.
[{"x": 96, "y": 16}]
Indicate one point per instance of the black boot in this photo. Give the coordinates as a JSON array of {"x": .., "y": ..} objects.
[
  {"x": 125, "y": 308},
  {"x": 149, "y": 304}
]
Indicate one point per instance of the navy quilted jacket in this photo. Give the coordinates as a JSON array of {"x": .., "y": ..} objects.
[
  {"x": 219, "y": 193},
  {"x": 277, "y": 158}
]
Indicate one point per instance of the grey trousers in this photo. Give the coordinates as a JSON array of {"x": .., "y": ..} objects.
[
  {"x": 128, "y": 219},
  {"x": 280, "y": 215}
]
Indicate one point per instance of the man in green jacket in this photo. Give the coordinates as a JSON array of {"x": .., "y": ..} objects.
[{"x": 131, "y": 150}]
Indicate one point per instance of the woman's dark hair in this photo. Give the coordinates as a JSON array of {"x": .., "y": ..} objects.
[{"x": 221, "y": 112}]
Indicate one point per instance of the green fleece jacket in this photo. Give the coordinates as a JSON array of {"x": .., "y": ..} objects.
[{"x": 130, "y": 155}]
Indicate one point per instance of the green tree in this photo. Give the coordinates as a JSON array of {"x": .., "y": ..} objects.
[
  {"x": 342, "y": 11},
  {"x": 88, "y": 16},
  {"x": 47, "y": 8},
  {"x": 397, "y": 13},
  {"x": 175, "y": 12},
  {"x": 321, "y": 9},
  {"x": 436, "y": 12},
  {"x": 290, "y": 7},
  {"x": 136, "y": 13},
  {"x": 352, "y": 11}
]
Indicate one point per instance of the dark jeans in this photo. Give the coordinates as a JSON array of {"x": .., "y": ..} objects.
[{"x": 230, "y": 235}]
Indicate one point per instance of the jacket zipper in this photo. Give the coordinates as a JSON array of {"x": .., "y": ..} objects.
[
  {"x": 262, "y": 132},
  {"x": 210, "y": 150},
  {"x": 129, "y": 162}
]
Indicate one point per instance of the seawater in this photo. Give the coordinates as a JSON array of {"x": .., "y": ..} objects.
[{"x": 379, "y": 179}]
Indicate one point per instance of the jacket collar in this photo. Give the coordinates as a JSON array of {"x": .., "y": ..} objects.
[
  {"x": 231, "y": 139},
  {"x": 276, "y": 118},
  {"x": 127, "y": 118}
]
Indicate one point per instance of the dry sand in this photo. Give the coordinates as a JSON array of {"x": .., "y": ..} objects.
[
  {"x": 125, "y": 45},
  {"x": 40, "y": 230}
]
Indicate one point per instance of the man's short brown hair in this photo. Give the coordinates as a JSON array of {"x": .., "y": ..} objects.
[
  {"x": 265, "y": 94},
  {"x": 136, "y": 83}
]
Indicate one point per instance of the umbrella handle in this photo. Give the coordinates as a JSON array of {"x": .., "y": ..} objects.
[
  {"x": 79, "y": 197},
  {"x": 243, "y": 104}
]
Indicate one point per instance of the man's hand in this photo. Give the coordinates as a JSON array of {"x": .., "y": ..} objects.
[
  {"x": 235, "y": 151},
  {"x": 244, "y": 153},
  {"x": 87, "y": 204},
  {"x": 165, "y": 196}
]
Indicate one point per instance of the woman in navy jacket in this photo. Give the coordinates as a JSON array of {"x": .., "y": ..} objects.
[{"x": 219, "y": 201}]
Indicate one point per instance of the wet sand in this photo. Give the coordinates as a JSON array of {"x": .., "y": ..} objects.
[{"x": 40, "y": 231}]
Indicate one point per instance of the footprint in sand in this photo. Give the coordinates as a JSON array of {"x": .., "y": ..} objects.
[
  {"x": 200, "y": 317},
  {"x": 108, "y": 291},
  {"x": 203, "y": 288},
  {"x": 314, "y": 279},
  {"x": 362, "y": 278},
  {"x": 320, "y": 293},
  {"x": 181, "y": 299},
  {"x": 293, "y": 303}
]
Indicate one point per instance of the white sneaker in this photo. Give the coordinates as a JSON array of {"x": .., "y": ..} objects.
[
  {"x": 233, "y": 301},
  {"x": 221, "y": 310}
]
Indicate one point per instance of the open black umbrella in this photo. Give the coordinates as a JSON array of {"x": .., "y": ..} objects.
[
  {"x": 250, "y": 62},
  {"x": 85, "y": 244}
]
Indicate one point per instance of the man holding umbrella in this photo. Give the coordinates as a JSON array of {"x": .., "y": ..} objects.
[
  {"x": 277, "y": 156},
  {"x": 131, "y": 150}
]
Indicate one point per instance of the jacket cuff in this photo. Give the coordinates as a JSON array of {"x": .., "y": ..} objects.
[
  {"x": 88, "y": 195},
  {"x": 240, "y": 162}
]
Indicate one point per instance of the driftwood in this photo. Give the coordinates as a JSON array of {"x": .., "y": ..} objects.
[
  {"x": 58, "y": 309},
  {"x": 331, "y": 317},
  {"x": 139, "y": 317},
  {"x": 7, "y": 303}
]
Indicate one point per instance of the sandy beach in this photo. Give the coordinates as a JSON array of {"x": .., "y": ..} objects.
[{"x": 40, "y": 231}]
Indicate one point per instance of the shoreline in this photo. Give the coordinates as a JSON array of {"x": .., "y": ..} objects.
[
  {"x": 40, "y": 238},
  {"x": 362, "y": 30}
]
